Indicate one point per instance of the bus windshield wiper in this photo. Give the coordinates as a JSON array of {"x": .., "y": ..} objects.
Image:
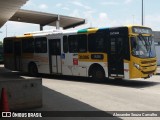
[
  {"x": 150, "y": 44},
  {"x": 144, "y": 42}
]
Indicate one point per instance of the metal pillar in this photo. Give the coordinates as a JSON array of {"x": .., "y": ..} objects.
[
  {"x": 6, "y": 30},
  {"x": 41, "y": 27},
  {"x": 58, "y": 23}
]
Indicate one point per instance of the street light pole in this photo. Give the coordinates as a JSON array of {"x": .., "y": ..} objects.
[{"x": 142, "y": 13}]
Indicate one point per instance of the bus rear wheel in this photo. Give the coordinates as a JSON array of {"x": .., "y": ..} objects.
[
  {"x": 32, "y": 69},
  {"x": 98, "y": 74}
]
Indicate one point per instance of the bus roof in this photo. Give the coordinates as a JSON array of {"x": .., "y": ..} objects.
[{"x": 81, "y": 31}]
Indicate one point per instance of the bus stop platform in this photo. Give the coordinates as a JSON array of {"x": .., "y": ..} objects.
[{"x": 22, "y": 92}]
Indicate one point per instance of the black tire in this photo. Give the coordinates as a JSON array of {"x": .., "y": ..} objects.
[
  {"x": 98, "y": 74},
  {"x": 32, "y": 69}
]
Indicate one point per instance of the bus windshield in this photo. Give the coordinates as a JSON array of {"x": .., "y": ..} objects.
[{"x": 143, "y": 46}]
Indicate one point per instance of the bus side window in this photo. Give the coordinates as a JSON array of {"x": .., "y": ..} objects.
[
  {"x": 96, "y": 42},
  {"x": 82, "y": 43},
  {"x": 73, "y": 44},
  {"x": 65, "y": 44},
  {"x": 28, "y": 45},
  {"x": 77, "y": 43},
  {"x": 41, "y": 45},
  {"x": 8, "y": 46}
]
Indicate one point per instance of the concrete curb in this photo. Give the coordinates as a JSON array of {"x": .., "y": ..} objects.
[{"x": 23, "y": 93}]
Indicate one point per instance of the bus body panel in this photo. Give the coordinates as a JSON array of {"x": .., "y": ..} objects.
[
  {"x": 9, "y": 61},
  {"x": 147, "y": 67},
  {"x": 126, "y": 70},
  {"x": 42, "y": 62},
  {"x": 116, "y": 60}
]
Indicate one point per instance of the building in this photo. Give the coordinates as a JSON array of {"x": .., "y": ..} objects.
[{"x": 157, "y": 44}]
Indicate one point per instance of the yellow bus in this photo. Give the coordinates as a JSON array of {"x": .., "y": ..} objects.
[{"x": 125, "y": 52}]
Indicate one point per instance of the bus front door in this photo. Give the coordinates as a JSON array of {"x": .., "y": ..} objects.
[
  {"x": 17, "y": 55},
  {"x": 55, "y": 56},
  {"x": 115, "y": 57}
]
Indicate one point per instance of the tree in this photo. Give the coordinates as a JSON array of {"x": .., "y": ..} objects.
[{"x": 1, "y": 43}]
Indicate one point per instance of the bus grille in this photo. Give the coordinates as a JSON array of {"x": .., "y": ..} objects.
[
  {"x": 148, "y": 62},
  {"x": 148, "y": 72}
]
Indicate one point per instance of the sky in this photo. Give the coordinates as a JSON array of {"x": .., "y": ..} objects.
[{"x": 98, "y": 13}]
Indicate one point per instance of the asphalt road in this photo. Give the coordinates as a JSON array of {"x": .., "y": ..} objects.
[{"x": 111, "y": 95}]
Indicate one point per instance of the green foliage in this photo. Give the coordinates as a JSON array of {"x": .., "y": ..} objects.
[{"x": 1, "y": 43}]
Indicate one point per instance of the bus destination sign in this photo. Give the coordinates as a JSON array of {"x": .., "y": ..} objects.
[{"x": 141, "y": 30}]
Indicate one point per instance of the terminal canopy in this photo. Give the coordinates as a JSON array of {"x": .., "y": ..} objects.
[
  {"x": 8, "y": 9},
  {"x": 43, "y": 19}
]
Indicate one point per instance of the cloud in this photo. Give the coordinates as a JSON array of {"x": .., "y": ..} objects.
[
  {"x": 65, "y": 8},
  {"x": 43, "y": 6},
  {"x": 77, "y": 3},
  {"x": 101, "y": 21},
  {"x": 103, "y": 16},
  {"x": 33, "y": 6},
  {"x": 75, "y": 13},
  {"x": 90, "y": 11},
  {"x": 152, "y": 21},
  {"x": 59, "y": 5},
  {"x": 115, "y": 2},
  {"x": 30, "y": 5},
  {"x": 128, "y": 1},
  {"x": 104, "y": 20},
  {"x": 109, "y": 3}
]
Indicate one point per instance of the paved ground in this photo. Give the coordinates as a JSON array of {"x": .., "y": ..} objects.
[
  {"x": 81, "y": 94},
  {"x": 111, "y": 95},
  {"x": 135, "y": 95}
]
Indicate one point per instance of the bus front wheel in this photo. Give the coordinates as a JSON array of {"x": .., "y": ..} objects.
[{"x": 32, "y": 69}]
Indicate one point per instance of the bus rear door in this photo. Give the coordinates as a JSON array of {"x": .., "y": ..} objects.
[
  {"x": 115, "y": 55},
  {"x": 55, "y": 56}
]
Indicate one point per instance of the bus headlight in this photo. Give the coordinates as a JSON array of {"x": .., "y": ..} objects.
[{"x": 137, "y": 66}]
